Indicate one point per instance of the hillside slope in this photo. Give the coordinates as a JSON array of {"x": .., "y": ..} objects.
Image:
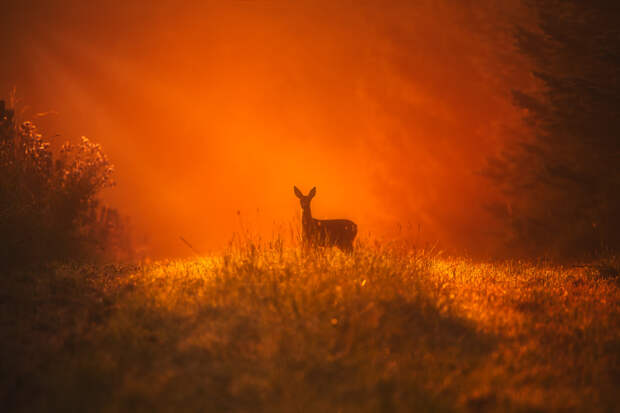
[{"x": 272, "y": 329}]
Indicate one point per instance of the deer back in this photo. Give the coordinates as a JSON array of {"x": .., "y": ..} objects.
[{"x": 332, "y": 232}]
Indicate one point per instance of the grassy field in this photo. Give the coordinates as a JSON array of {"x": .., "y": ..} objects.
[{"x": 276, "y": 330}]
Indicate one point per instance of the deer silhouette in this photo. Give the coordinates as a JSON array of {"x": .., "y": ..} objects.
[{"x": 324, "y": 232}]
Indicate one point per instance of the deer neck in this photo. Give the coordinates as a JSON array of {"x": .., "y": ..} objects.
[{"x": 306, "y": 217}]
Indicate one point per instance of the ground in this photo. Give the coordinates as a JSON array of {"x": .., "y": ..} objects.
[{"x": 275, "y": 329}]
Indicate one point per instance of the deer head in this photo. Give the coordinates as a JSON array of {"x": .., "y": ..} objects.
[{"x": 304, "y": 200}]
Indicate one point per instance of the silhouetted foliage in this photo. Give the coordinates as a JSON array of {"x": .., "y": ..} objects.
[
  {"x": 48, "y": 204},
  {"x": 562, "y": 184}
]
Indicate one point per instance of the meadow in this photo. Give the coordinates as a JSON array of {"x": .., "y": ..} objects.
[{"x": 277, "y": 329}]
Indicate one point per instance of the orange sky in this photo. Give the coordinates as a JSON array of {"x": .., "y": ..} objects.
[{"x": 389, "y": 108}]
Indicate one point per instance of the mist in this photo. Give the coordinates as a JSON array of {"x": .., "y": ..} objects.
[{"x": 212, "y": 113}]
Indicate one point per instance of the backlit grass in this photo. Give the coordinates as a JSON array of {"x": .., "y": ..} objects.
[{"x": 278, "y": 330}]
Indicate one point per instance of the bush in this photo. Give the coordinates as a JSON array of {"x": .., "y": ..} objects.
[{"x": 49, "y": 207}]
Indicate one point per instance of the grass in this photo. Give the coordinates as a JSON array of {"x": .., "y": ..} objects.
[{"x": 277, "y": 330}]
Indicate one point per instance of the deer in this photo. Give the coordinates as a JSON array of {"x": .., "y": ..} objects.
[{"x": 338, "y": 233}]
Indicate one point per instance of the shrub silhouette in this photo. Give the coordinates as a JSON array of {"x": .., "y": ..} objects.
[{"x": 49, "y": 208}]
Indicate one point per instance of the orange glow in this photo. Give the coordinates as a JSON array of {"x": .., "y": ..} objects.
[{"x": 389, "y": 110}]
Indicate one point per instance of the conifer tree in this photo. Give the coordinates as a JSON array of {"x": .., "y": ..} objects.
[{"x": 562, "y": 182}]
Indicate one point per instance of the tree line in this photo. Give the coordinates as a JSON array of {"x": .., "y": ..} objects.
[{"x": 561, "y": 182}]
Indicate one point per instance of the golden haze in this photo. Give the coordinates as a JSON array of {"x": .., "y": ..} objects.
[{"x": 389, "y": 108}]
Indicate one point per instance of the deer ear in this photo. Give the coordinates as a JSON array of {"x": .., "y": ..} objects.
[
  {"x": 312, "y": 192},
  {"x": 298, "y": 193}
]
